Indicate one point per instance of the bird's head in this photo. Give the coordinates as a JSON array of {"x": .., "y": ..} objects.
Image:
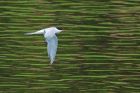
[{"x": 56, "y": 30}]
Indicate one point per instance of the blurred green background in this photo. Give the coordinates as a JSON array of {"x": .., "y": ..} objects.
[{"x": 99, "y": 51}]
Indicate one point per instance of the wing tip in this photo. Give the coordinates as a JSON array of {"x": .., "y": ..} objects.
[
  {"x": 28, "y": 34},
  {"x": 51, "y": 62}
]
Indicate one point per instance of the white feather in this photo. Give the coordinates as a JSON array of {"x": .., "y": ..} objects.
[
  {"x": 52, "y": 47},
  {"x": 37, "y": 32}
]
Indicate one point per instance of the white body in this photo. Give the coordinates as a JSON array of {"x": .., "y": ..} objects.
[{"x": 51, "y": 39}]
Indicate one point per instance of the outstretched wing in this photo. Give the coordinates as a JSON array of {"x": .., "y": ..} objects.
[
  {"x": 52, "y": 47},
  {"x": 37, "y": 32}
]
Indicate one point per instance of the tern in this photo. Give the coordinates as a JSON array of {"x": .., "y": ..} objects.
[{"x": 50, "y": 39}]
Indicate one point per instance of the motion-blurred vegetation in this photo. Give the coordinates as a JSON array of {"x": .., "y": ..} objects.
[{"x": 98, "y": 52}]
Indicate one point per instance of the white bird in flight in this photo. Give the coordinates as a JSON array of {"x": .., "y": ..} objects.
[{"x": 51, "y": 39}]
